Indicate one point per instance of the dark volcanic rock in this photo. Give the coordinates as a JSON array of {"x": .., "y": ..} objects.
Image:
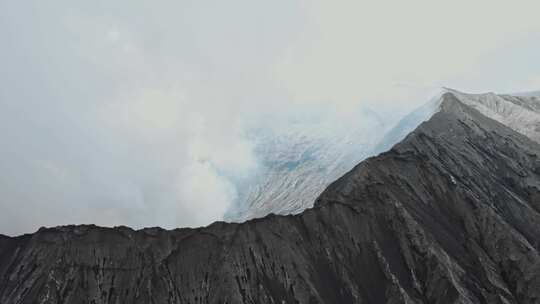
[{"x": 449, "y": 215}]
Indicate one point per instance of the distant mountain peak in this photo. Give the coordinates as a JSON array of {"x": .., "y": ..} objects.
[{"x": 299, "y": 162}]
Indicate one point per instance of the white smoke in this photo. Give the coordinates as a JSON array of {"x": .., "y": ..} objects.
[{"x": 134, "y": 113}]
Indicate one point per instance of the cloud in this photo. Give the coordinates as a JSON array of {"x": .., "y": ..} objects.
[
  {"x": 138, "y": 114},
  {"x": 356, "y": 50}
]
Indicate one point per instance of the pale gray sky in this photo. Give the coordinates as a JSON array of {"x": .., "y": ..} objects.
[{"x": 130, "y": 112}]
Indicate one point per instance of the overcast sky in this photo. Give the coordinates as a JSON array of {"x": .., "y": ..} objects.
[{"x": 135, "y": 113}]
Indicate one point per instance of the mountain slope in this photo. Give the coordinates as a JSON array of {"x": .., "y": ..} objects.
[
  {"x": 299, "y": 162},
  {"x": 448, "y": 215},
  {"x": 520, "y": 113}
]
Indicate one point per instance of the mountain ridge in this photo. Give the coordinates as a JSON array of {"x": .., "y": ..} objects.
[{"x": 451, "y": 214}]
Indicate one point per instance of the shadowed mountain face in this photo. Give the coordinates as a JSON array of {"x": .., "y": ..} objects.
[{"x": 449, "y": 215}]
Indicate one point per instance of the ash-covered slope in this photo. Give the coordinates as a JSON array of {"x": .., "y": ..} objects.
[
  {"x": 298, "y": 162},
  {"x": 449, "y": 215},
  {"x": 520, "y": 112}
]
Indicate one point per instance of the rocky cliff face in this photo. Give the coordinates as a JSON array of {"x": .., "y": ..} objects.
[{"x": 449, "y": 215}]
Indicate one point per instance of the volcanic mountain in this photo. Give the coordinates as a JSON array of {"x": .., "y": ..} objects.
[{"x": 451, "y": 214}]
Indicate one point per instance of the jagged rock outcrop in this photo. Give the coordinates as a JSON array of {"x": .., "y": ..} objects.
[{"x": 449, "y": 215}]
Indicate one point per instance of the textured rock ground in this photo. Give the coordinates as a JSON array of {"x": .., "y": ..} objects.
[{"x": 449, "y": 215}]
